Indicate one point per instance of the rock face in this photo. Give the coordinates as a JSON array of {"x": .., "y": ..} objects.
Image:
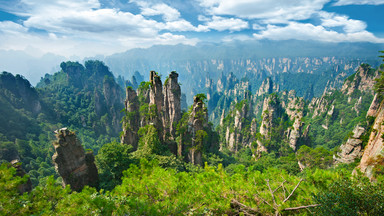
[
  {"x": 198, "y": 120},
  {"x": 164, "y": 109},
  {"x": 375, "y": 145},
  {"x": 74, "y": 165},
  {"x": 374, "y": 106},
  {"x": 172, "y": 103},
  {"x": 27, "y": 186},
  {"x": 266, "y": 87},
  {"x": 363, "y": 80},
  {"x": 352, "y": 149},
  {"x": 131, "y": 122},
  {"x": 271, "y": 111}
]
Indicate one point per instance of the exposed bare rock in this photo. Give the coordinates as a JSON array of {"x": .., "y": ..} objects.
[
  {"x": 172, "y": 103},
  {"x": 157, "y": 98},
  {"x": 363, "y": 80},
  {"x": 131, "y": 122},
  {"x": 352, "y": 149},
  {"x": 156, "y": 93},
  {"x": 266, "y": 87},
  {"x": 374, "y": 106},
  {"x": 74, "y": 165},
  {"x": 295, "y": 111},
  {"x": 271, "y": 111},
  {"x": 27, "y": 186},
  {"x": 318, "y": 106},
  {"x": 295, "y": 133},
  {"x": 357, "y": 105},
  {"x": 198, "y": 120},
  {"x": 375, "y": 145}
]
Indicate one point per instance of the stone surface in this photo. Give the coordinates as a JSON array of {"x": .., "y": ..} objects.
[
  {"x": 27, "y": 186},
  {"x": 375, "y": 144},
  {"x": 198, "y": 120},
  {"x": 172, "y": 103},
  {"x": 74, "y": 165},
  {"x": 352, "y": 149},
  {"x": 131, "y": 123},
  {"x": 363, "y": 80}
]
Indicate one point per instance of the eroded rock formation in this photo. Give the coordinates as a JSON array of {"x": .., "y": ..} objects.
[
  {"x": 374, "y": 149},
  {"x": 74, "y": 165},
  {"x": 131, "y": 122},
  {"x": 27, "y": 186},
  {"x": 197, "y": 122},
  {"x": 172, "y": 103},
  {"x": 352, "y": 149}
]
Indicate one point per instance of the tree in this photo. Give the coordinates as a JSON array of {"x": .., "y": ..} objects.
[{"x": 112, "y": 159}]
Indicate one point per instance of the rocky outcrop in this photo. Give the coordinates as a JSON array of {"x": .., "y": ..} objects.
[
  {"x": 156, "y": 94},
  {"x": 74, "y": 165},
  {"x": 374, "y": 149},
  {"x": 154, "y": 104},
  {"x": 197, "y": 122},
  {"x": 131, "y": 122},
  {"x": 172, "y": 103},
  {"x": 294, "y": 107},
  {"x": 266, "y": 87},
  {"x": 374, "y": 108},
  {"x": 271, "y": 111},
  {"x": 352, "y": 149},
  {"x": 27, "y": 186},
  {"x": 234, "y": 137},
  {"x": 363, "y": 80}
]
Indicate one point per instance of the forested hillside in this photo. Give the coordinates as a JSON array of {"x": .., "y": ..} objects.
[{"x": 236, "y": 150}]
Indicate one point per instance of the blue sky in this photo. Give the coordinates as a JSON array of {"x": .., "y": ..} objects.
[{"x": 92, "y": 27}]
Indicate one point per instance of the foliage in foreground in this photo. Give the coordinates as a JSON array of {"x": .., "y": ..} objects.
[{"x": 148, "y": 189}]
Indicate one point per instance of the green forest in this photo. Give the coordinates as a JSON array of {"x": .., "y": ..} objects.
[{"x": 271, "y": 153}]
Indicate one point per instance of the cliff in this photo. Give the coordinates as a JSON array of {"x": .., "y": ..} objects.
[
  {"x": 131, "y": 121},
  {"x": 353, "y": 148},
  {"x": 172, "y": 103},
  {"x": 197, "y": 123},
  {"x": 74, "y": 165},
  {"x": 373, "y": 152},
  {"x": 362, "y": 80}
]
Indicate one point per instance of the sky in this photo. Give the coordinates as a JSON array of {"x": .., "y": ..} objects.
[{"x": 102, "y": 27}]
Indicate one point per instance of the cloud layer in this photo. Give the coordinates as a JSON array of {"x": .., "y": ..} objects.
[{"x": 90, "y": 27}]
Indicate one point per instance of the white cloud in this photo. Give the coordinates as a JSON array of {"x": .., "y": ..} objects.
[
  {"x": 306, "y": 31},
  {"x": 84, "y": 28},
  {"x": 348, "y": 25},
  {"x": 222, "y": 24},
  {"x": 358, "y": 2},
  {"x": 168, "y": 13},
  {"x": 277, "y": 11}
]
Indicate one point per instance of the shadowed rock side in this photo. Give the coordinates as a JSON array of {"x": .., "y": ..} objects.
[
  {"x": 352, "y": 149},
  {"x": 198, "y": 120},
  {"x": 74, "y": 165},
  {"x": 156, "y": 97},
  {"x": 164, "y": 104},
  {"x": 172, "y": 104},
  {"x": 27, "y": 186},
  {"x": 131, "y": 120}
]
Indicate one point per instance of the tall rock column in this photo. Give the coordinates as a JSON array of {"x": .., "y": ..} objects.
[
  {"x": 172, "y": 103},
  {"x": 197, "y": 122},
  {"x": 156, "y": 97},
  {"x": 132, "y": 119},
  {"x": 74, "y": 165}
]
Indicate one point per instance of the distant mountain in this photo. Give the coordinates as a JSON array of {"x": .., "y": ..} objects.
[
  {"x": 253, "y": 60},
  {"x": 32, "y": 68}
]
